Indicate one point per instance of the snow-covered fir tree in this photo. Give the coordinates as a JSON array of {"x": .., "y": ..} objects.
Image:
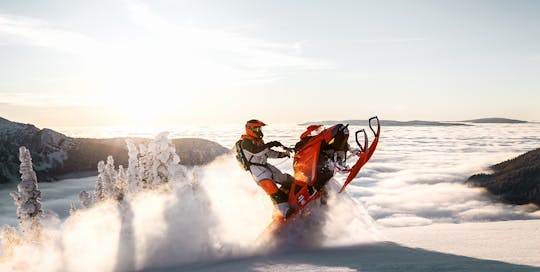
[
  {"x": 164, "y": 160},
  {"x": 121, "y": 184},
  {"x": 72, "y": 208},
  {"x": 149, "y": 166},
  {"x": 110, "y": 184},
  {"x": 109, "y": 178},
  {"x": 145, "y": 162},
  {"x": 133, "y": 178},
  {"x": 85, "y": 199},
  {"x": 99, "y": 193},
  {"x": 28, "y": 199}
]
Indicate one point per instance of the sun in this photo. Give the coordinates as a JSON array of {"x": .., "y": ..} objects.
[
  {"x": 143, "y": 93},
  {"x": 153, "y": 81}
]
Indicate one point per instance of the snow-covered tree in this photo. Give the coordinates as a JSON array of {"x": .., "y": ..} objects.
[
  {"x": 110, "y": 184},
  {"x": 28, "y": 199},
  {"x": 164, "y": 160},
  {"x": 72, "y": 208},
  {"x": 85, "y": 199},
  {"x": 145, "y": 162},
  {"x": 99, "y": 193},
  {"x": 133, "y": 178},
  {"x": 149, "y": 165},
  {"x": 121, "y": 185},
  {"x": 109, "y": 178}
]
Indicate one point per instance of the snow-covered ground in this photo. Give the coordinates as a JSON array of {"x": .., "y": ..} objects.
[
  {"x": 490, "y": 246},
  {"x": 407, "y": 211},
  {"x": 515, "y": 241}
]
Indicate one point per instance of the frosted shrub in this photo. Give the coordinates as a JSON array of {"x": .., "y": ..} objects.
[
  {"x": 85, "y": 199},
  {"x": 133, "y": 178},
  {"x": 153, "y": 164},
  {"x": 149, "y": 166},
  {"x": 164, "y": 160},
  {"x": 28, "y": 199},
  {"x": 99, "y": 193},
  {"x": 121, "y": 184},
  {"x": 110, "y": 184},
  {"x": 145, "y": 162},
  {"x": 72, "y": 208},
  {"x": 110, "y": 178}
]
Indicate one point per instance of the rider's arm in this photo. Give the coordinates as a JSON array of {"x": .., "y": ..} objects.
[
  {"x": 274, "y": 154},
  {"x": 252, "y": 147},
  {"x": 262, "y": 150}
]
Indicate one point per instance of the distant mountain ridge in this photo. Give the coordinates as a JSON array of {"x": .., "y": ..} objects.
[
  {"x": 385, "y": 123},
  {"x": 55, "y": 154},
  {"x": 494, "y": 120},
  {"x": 515, "y": 181}
]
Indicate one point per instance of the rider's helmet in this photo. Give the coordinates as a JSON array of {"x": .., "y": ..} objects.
[{"x": 253, "y": 128}]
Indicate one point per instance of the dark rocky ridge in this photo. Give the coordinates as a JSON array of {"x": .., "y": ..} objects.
[
  {"x": 54, "y": 154},
  {"x": 515, "y": 181}
]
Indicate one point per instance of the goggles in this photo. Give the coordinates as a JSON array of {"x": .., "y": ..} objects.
[{"x": 256, "y": 129}]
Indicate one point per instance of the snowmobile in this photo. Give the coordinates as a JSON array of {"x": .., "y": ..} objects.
[{"x": 320, "y": 154}]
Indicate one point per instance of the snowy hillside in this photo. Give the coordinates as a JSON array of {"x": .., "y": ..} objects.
[
  {"x": 49, "y": 149},
  {"x": 515, "y": 181},
  {"x": 55, "y": 154}
]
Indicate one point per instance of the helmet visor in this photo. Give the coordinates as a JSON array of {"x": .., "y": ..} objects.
[{"x": 257, "y": 131}]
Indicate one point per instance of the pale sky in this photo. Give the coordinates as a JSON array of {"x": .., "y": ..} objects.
[{"x": 114, "y": 62}]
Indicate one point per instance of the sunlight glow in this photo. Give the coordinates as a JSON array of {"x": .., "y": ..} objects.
[{"x": 171, "y": 70}]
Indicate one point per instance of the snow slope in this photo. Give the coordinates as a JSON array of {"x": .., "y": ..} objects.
[
  {"x": 91, "y": 240},
  {"x": 493, "y": 246},
  {"x": 515, "y": 241}
]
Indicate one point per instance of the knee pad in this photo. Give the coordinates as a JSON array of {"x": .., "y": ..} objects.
[{"x": 268, "y": 186}]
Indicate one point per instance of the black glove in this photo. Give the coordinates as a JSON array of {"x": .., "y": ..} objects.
[
  {"x": 284, "y": 154},
  {"x": 273, "y": 144}
]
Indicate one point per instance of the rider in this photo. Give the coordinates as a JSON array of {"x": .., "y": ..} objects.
[{"x": 266, "y": 175}]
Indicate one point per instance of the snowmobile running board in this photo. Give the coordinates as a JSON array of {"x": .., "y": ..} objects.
[{"x": 365, "y": 151}]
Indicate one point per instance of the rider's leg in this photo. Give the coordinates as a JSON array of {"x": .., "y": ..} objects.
[{"x": 279, "y": 198}]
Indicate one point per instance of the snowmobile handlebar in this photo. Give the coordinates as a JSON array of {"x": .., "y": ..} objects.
[
  {"x": 279, "y": 144},
  {"x": 290, "y": 149},
  {"x": 362, "y": 147}
]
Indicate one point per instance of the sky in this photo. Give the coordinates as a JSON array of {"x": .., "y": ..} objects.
[{"x": 94, "y": 63}]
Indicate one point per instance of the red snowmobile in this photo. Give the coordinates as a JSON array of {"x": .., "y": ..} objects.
[{"x": 319, "y": 154}]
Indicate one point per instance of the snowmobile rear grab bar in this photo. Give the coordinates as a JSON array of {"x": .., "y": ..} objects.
[
  {"x": 376, "y": 134},
  {"x": 365, "y": 151}
]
